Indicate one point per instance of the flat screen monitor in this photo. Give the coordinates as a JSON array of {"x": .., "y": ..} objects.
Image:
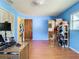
[{"x": 5, "y": 26}]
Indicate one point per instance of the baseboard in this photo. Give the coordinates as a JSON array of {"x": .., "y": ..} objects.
[
  {"x": 39, "y": 40},
  {"x": 74, "y": 50}
]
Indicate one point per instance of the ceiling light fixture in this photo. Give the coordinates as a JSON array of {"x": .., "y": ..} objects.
[{"x": 38, "y": 2}]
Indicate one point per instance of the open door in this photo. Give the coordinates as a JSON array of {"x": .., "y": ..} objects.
[{"x": 27, "y": 29}]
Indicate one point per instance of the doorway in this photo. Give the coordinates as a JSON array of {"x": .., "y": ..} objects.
[{"x": 27, "y": 29}]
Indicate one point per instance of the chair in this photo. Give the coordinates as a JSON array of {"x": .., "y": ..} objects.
[{"x": 1, "y": 39}]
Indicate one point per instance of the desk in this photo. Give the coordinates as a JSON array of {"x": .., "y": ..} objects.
[{"x": 21, "y": 52}]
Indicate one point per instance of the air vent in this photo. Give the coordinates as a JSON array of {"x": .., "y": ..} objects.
[{"x": 10, "y": 1}]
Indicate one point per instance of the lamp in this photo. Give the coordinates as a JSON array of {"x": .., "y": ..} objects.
[{"x": 7, "y": 27}]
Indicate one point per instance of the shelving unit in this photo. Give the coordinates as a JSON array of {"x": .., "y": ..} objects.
[
  {"x": 51, "y": 25},
  {"x": 64, "y": 34},
  {"x": 54, "y": 32}
]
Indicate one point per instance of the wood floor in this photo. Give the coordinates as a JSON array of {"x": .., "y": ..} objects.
[{"x": 42, "y": 50}]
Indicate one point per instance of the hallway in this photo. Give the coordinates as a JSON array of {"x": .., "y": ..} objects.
[{"x": 42, "y": 50}]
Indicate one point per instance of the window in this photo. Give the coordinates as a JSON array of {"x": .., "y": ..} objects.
[{"x": 74, "y": 22}]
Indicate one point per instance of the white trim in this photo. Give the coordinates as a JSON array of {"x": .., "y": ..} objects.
[{"x": 74, "y": 50}]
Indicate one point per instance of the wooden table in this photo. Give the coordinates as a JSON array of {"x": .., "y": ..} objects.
[{"x": 21, "y": 52}]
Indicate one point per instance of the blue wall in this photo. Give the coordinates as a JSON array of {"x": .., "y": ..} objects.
[
  {"x": 74, "y": 35},
  {"x": 40, "y": 27},
  {"x": 8, "y": 8},
  {"x": 40, "y": 23}
]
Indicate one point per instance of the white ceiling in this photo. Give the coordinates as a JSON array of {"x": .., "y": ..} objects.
[{"x": 50, "y": 7}]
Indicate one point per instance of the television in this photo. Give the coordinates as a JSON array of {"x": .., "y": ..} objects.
[{"x": 5, "y": 26}]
